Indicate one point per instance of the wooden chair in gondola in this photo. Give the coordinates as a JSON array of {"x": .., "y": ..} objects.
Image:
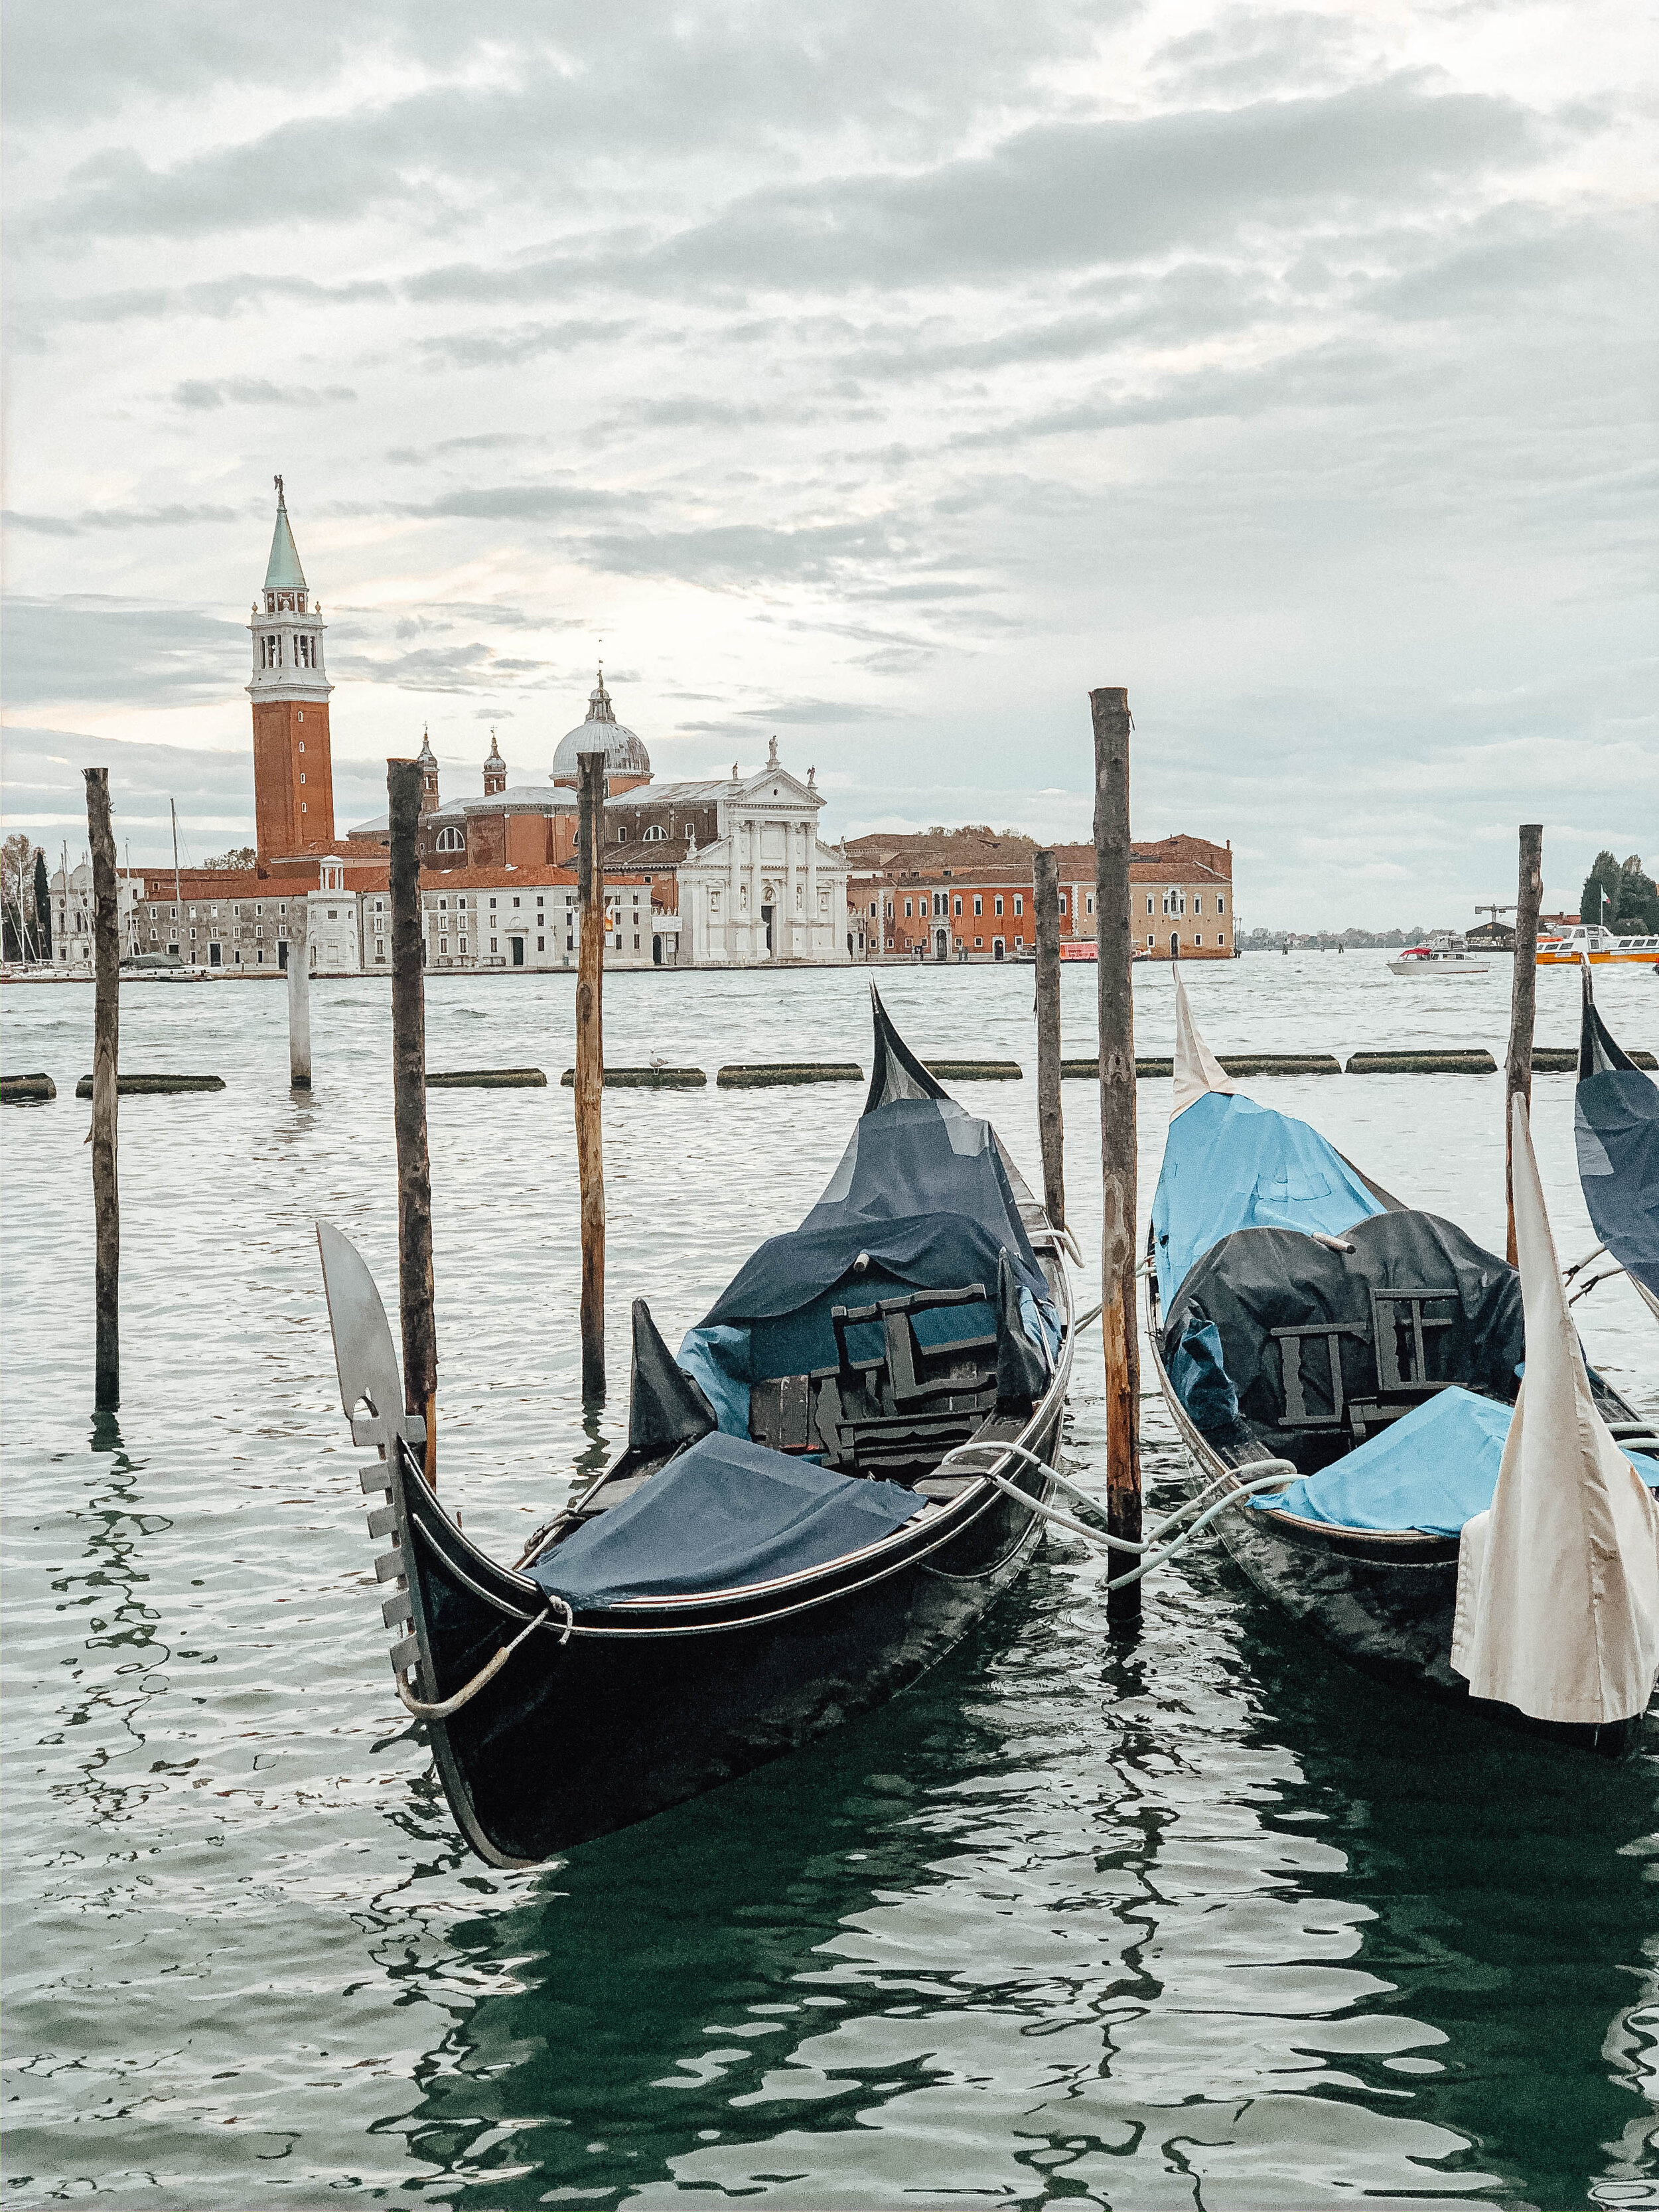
[{"x": 1398, "y": 1335}]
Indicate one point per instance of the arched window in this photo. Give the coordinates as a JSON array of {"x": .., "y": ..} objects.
[
  {"x": 452, "y": 840},
  {"x": 656, "y": 835}
]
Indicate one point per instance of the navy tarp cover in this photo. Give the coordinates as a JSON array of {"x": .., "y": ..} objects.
[
  {"x": 1433, "y": 1471},
  {"x": 723, "y": 1514},
  {"x": 922, "y": 1196},
  {"x": 1616, "y": 1128},
  {"x": 1263, "y": 1279},
  {"x": 1231, "y": 1164}
]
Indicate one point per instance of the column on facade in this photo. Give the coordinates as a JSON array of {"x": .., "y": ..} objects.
[
  {"x": 812, "y": 858},
  {"x": 734, "y": 943},
  {"x": 756, "y": 939},
  {"x": 791, "y": 944}
]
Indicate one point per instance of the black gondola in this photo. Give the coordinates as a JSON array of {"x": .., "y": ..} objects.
[
  {"x": 1616, "y": 1131},
  {"x": 804, "y": 1518},
  {"x": 1297, "y": 1311}
]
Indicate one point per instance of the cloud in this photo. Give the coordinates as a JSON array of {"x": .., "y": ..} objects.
[
  {"x": 117, "y": 518},
  {"x": 514, "y": 349},
  {"x": 103, "y": 650},
  {"x": 256, "y": 392}
]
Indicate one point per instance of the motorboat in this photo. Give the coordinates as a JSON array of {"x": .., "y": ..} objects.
[
  {"x": 1433, "y": 960},
  {"x": 1598, "y": 946}
]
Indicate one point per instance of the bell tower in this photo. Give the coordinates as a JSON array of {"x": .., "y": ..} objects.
[{"x": 292, "y": 768}]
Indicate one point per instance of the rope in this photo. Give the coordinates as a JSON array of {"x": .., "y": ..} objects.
[
  {"x": 1272, "y": 1475},
  {"x": 423, "y": 1711}
]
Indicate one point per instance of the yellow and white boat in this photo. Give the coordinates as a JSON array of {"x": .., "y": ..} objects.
[{"x": 1590, "y": 941}]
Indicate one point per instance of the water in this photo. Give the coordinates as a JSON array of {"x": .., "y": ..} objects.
[{"x": 1211, "y": 1921}]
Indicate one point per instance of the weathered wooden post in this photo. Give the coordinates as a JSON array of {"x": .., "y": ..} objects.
[
  {"x": 299, "y": 993},
  {"x": 1112, "y": 723},
  {"x": 1045, "y": 884},
  {"x": 1524, "y": 1000},
  {"x": 415, "y": 1290},
  {"x": 106, "y": 1056},
  {"x": 590, "y": 1064}
]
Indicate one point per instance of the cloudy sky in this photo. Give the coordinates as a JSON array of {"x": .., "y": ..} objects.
[{"x": 880, "y": 376}]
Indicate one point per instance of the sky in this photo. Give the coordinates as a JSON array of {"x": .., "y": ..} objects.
[{"x": 882, "y": 378}]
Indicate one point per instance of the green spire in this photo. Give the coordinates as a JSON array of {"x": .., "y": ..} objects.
[{"x": 283, "y": 571}]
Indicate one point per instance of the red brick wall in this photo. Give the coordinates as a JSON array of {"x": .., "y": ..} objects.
[{"x": 287, "y": 814}]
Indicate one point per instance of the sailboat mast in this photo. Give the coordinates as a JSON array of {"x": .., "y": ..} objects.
[{"x": 178, "y": 896}]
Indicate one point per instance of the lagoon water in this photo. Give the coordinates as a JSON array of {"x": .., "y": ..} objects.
[{"x": 1208, "y": 1921}]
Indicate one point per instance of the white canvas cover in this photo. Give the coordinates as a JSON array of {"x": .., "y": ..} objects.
[
  {"x": 1558, "y": 1582},
  {"x": 1197, "y": 1070}
]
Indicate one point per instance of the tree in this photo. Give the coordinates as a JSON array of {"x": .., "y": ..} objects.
[
  {"x": 1638, "y": 900},
  {"x": 239, "y": 856},
  {"x": 17, "y": 889},
  {"x": 42, "y": 904},
  {"x": 1604, "y": 875}
]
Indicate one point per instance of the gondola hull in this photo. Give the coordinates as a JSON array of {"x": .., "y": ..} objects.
[
  {"x": 1385, "y": 1602},
  {"x": 628, "y": 1717}
]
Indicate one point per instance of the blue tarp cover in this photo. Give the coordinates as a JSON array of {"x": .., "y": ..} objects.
[
  {"x": 723, "y": 1514},
  {"x": 1433, "y": 1471},
  {"x": 1231, "y": 1164},
  {"x": 1617, "y": 1129}
]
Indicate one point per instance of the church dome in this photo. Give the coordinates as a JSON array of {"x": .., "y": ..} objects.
[{"x": 624, "y": 752}]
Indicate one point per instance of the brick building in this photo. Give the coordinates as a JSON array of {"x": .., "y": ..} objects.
[{"x": 967, "y": 895}]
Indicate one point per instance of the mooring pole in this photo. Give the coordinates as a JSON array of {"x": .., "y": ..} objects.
[
  {"x": 298, "y": 992},
  {"x": 105, "y": 1056},
  {"x": 1110, "y": 708},
  {"x": 403, "y": 782},
  {"x": 1523, "y": 1001},
  {"x": 590, "y": 1064},
  {"x": 1045, "y": 885}
]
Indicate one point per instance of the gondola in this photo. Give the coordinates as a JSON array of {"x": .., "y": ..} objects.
[
  {"x": 818, "y": 1498},
  {"x": 1305, "y": 1323},
  {"x": 1616, "y": 1132}
]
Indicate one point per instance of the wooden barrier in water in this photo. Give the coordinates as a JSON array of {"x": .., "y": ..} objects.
[
  {"x": 27, "y": 1089},
  {"x": 1236, "y": 1063},
  {"x": 1478, "y": 1062},
  {"x": 761, "y": 1074},
  {"x": 154, "y": 1086},
  {"x": 975, "y": 1071},
  {"x": 645, "y": 1079},
  {"x": 1563, "y": 1060},
  {"x": 486, "y": 1078}
]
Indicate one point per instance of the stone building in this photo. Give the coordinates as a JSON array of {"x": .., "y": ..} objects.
[{"x": 967, "y": 895}]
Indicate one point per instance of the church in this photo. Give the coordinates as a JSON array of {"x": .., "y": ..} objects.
[{"x": 724, "y": 871}]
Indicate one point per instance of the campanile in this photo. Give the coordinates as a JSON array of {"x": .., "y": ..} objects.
[{"x": 293, "y": 768}]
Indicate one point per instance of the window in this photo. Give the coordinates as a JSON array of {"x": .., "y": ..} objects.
[
  {"x": 979, "y": 944},
  {"x": 999, "y": 904},
  {"x": 979, "y": 907},
  {"x": 1198, "y": 940},
  {"x": 464, "y": 944},
  {"x": 492, "y": 941},
  {"x": 1149, "y": 903},
  {"x": 1020, "y": 908},
  {"x": 906, "y": 909},
  {"x": 636, "y": 941},
  {"x": 688, "y": 829},
  {"x": 1089, "y": 903},
  {"x": 1198, "y": 901},
  {"x": 622, "y": 833},
  {"x": 541, "y": 945},
  {"x": 492, "y": 901},
  {"x": 1062, "y": 901},
  {"x": 443, "y": 944},
  {"x": 958, "y": 908},
  {"x": 1221, "y": 905},
  {"x": 449, "y": 840},
  {"x": 492, "y": 909}
]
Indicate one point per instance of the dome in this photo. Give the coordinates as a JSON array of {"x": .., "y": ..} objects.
[{"x": 624, "y": 752}]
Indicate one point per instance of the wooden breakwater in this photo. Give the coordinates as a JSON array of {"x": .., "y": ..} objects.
[
  {"x": 154, "y": 1086},
  {"x": 762, "y": 1075},
  {"x": 645, "y": 1079},
  {"x": 25, "y": 1090},
  {"x": 486, "y": 1078}
]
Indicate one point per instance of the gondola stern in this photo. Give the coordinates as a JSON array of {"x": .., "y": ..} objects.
[{"x": 896, "y": 1073}]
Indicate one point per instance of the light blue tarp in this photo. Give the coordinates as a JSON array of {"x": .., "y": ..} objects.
[
  {"x": 1231, "y": 1164},
  {"x": 1433, "y": 1471},
  {"x": 725, "y": 1513}
]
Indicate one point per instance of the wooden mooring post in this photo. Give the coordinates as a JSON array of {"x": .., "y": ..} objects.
[
  {"x": 1112, "y": 724},
  {"x": 299, "y": 993},
  {"x": 1523, "y": 1002},
  {"x": 1051, "y": 1127},
  {"x": 415, "y": 1288},
  {"x": 106, "y": 1057},
  {"x": 590, "y": 1064}
]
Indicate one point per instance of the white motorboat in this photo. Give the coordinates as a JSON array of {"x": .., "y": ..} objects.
[{"x": 1430, "y": 960}]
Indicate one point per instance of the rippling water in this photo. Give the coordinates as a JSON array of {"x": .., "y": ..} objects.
[{"x": 1211, "y": 1921}]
